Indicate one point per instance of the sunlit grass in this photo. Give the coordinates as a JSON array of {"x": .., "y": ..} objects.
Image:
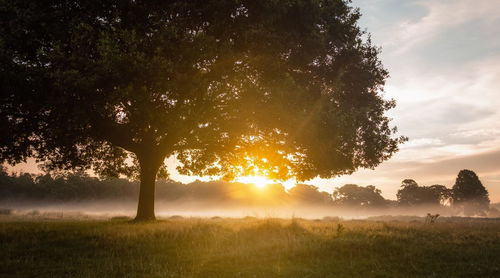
[{"x": 221, "y": 247}]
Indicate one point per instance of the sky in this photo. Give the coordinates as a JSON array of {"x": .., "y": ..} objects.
[
  {"x": 444, "y": 60},
  {"x": 443, "y": 57}
]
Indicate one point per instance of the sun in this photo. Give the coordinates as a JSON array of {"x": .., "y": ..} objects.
[{"x": 258, "y": 181}]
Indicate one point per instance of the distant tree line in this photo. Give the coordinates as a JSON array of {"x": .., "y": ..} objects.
[
  {"x": 77, "y": 186},
  {"x": 467, "y": 195}
]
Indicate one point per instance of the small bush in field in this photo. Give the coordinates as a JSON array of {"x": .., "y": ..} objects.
[
  {"x": 431, "y": 218},
  {"x": 340, "y": 229}
]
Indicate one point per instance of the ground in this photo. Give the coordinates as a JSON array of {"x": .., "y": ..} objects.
[{"x": 249, "y": 247}]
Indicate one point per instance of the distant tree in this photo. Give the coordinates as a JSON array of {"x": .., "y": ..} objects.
[
  {"x": 286, "y": 88},
  {"x": 309, "y": 194},
  {"x": 274, "y": 194},
  {"x": 409, "y": 183},
  {"x": 407, "y": 194},
  {"x": 358, "y": 196},
  {"x": 441, "y": 194},
  {"x": 411, "y": 194},
  {"x": 470, "y": 194}
]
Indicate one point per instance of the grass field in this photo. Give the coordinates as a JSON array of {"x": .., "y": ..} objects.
[{"x": 249, "y": 248}]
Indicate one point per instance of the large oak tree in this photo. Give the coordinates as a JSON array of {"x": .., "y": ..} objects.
[{"x": 284, "y": 88}]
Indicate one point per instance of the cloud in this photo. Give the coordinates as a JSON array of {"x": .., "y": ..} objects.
[
  {"x": 473, "y": 136},
  {"x": 441, "y": 16},
  {"x": 423, "y": 143}
]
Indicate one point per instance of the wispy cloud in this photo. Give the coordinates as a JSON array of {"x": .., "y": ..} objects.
[{"x": 440, "y": 15}]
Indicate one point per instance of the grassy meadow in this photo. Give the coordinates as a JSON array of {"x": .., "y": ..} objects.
[{"x": 249, "y": 247}]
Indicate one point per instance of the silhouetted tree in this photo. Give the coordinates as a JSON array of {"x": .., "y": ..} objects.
[
  {"x": 411, "y": 194},
  {"x": 470, "y": 194},
  {"x": 406, "y": 195},
  {"x": 286, "y": 88},
  {"x": 441, "y": 194},
  {"x": 358, "y": 196},
  {"x": 309, "y": 194}
]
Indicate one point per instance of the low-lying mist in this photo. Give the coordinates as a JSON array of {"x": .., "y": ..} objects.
[
  {"x": 74, "y": 194},
  {"x": 114, "y": 208}
]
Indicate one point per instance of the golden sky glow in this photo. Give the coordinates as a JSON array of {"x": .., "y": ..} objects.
[
  {"x": 261, "y": 182},
  {"x": 258, "y": 181}
]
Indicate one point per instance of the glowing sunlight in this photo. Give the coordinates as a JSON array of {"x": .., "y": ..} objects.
[{"x": 258, "y": 181}]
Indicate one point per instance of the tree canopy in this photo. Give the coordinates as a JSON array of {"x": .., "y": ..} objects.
[{"x": 276, "y": 88}]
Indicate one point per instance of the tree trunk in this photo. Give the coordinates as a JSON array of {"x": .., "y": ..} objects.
[{"x": 146, "y": 206}]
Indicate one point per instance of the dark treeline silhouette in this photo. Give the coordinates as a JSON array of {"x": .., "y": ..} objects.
[
  {"x": 81, "y": 187},
  {"x": 468, "y": 196},
  {"x": 411, "y": 194},
  {"x": 357, "y": 196}
]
